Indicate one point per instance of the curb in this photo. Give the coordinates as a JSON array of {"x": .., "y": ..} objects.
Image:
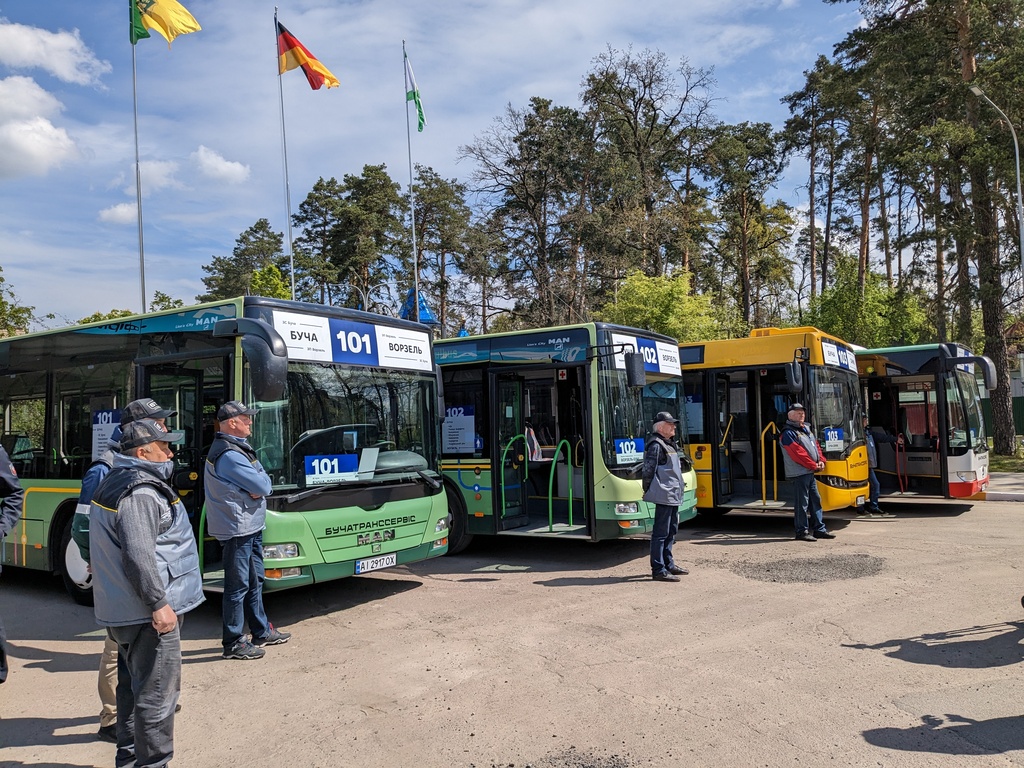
[{"x": 998, "y": 496}]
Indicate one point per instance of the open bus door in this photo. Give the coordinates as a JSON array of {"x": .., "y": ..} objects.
[
  {"x": 509, "y": 451},
  {"x": 723, "y": 468}
]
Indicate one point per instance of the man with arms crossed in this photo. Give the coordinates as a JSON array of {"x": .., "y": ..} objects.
[
  {"x": 145, "y": 574},
  {"x": 236, "y": 512}
]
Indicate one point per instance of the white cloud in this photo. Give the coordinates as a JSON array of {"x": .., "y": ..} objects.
[
  {"x": 32, "y": 147},
  {"x": 62, "y": 54},
  {"x": 122, "y": 213},
  {"x": 22, "y": 98},
  {"x": 212, "y": 165},
  {"x": 156, "y": 175}
]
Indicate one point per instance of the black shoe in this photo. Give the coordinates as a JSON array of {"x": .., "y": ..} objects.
[
  {"x": 276, "y": 637},
  {"x": 665, "y": 576},
  {"x": 677, "y": 570},
  {"x": 805, "y": 537},
  {"x": 107, "y": 733},
  {"x": 824, "y": 535}
]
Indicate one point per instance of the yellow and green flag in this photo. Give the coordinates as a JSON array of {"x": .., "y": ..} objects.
[
  {"x": 169, "y": 18},
  {"x": 412, "y": 93}
]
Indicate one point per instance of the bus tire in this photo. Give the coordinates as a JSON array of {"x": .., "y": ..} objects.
[
  {"x": 458, "y": 519},
  {"x": 72, "y": 568}
]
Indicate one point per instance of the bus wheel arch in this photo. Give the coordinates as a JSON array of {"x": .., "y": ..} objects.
[
  {"x": 458, "y": 520},
  {"x": 67, "y": 559}
]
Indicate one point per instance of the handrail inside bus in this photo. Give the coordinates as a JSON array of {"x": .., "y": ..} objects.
[
  {"x": 775, "y": 467},
  {"x": 728, "y": 426},
  {"x": 551, "y": 482},
  {"x": 526, "y": 469}
]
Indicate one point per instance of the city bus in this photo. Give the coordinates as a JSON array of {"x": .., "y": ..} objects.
[
  {"x": 738, "y": 392},
  {"x": 928, "y": 394},
  {"x": 347, "y": 429},
  {"x": 544, "y": 430}
]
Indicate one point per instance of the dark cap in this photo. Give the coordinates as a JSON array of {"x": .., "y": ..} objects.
[
  {"x": 797, "y": 407},
  {"x": 145, "y": 431},
  {"x": 144, "y": 409},
  {"x": 665, "y": 416},
  {"x": 233, "y": 408}
]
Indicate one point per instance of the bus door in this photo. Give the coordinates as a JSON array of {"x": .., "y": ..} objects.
[
  {"x": 509, "y": 451},
  {"x": 724, "y": 436},
  {"x": 186, "y": 390}
]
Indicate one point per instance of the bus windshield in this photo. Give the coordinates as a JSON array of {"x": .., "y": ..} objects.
[
  {"x": 970, "y": 404},
  {"x": 621, "y": 417},
  {"x": 837, "y": 414},
  {"x": 340, "y": 424}
]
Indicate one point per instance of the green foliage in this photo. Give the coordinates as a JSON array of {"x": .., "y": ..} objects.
[
  {"x": 113, "y": 314},
  {"x": 14, "y": 318},
  {"x": 231, "y": 276},
  {"x": 269, "y": 282},
  {"x": 664, "y": 305},
  {"x": 884, "y": 317},
  {"x": 162, "y": 301}
]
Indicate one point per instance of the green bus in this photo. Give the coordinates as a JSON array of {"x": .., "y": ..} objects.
[
  {"x": 544, "y": 430},
  {"x": 347, "y": 429}
]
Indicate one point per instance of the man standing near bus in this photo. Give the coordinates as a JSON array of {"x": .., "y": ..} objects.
[
  {"x": 802, "y": 457},
  {"x": 145, "y": 575},
  {"x": 145, "y": 408},
  {"x": 236, "y": 488},
  {"x": 871, "y": 509},
  {"x": 10, "y": 512},
  {"x": 662, "y": 481}
]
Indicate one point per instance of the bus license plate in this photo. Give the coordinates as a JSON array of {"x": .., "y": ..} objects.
[{"x": 376, "y": 563}]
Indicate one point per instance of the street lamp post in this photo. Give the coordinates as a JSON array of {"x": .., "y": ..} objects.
[
  {"x": 364, "y": 293},
  {"x": 1016, "y": 154}
]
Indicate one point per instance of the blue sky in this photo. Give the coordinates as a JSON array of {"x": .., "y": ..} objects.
[{"x": 209, "y": 113}]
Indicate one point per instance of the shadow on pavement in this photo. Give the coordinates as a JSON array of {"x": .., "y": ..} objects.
[
  {"x": 963, "y": 737},
  {"x": 595, "y": 581},
  {"x": 978, "y": 647},
  {"x": 43, "y": 732}
]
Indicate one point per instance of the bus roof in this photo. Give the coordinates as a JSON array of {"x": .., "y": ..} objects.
[{"x": 768, "y": 346}]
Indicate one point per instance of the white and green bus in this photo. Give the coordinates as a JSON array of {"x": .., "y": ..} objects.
[
  {"x": 347, "y": 429},
  {"x": 544, "y": 430}
]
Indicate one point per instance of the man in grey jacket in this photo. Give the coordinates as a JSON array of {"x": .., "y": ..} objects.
[
  {"x": 145, "y": 575},
  {"x": 662, "y": 480},
  {"x": 236, "y": 488}
]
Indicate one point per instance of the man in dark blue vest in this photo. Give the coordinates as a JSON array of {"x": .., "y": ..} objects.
[
  {"x": 146, "y": 574},
  {"x": 10, "y": 512},
  {"x": 236, "y": 488}
]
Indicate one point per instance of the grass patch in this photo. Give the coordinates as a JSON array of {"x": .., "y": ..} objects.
[{"x": 1013, "y": 463}]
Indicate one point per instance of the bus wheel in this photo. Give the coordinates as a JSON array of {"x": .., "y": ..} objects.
[
  {"x": 458, "y": 539},
  {"x": 73, "y": 569}
]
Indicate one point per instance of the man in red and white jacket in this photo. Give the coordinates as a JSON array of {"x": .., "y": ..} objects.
[{"x": 802, "y": 457}]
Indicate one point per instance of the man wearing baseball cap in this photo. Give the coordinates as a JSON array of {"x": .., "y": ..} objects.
[
  {"x": 662, "y": 480},
  {"x": 802, "y": 457},
  {"x": 145, "y": 575},
  {"x": 236, "y": 488},
  {"x": 146, "y": 408}
]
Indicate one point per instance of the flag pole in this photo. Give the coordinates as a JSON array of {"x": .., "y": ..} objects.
[
  {"x": 284, "y": 154},
  {"x": 412, "y": 199},
  {"x": 138, "y": 184}
]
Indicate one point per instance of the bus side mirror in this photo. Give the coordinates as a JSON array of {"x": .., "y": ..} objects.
[
  {"x": 794, "y": 377},
  {"x": 988, "y": 371},
  {"x": 636, "y": 375},
  {"x": 264, "y": 349},
  {"x": 440, "y": 393}
]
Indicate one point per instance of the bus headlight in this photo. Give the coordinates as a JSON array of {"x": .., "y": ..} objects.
[
  {"x": 441, "y": 525},
  {"x": 279, "y": 551},
  {"x": 626, "y": 508},
  {"x": 967, "y": 476},
  {"x": 833, "y": 481}
]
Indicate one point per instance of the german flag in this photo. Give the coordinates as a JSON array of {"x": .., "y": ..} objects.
[{"x": 291, "y": 54}]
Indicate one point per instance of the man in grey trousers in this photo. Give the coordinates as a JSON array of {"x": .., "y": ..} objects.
[{"x": 145, "y": 575}]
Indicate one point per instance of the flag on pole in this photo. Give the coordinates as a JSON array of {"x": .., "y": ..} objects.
[
  {"x": 412, "y": 93},
  {"x": 291, "y": 54},
  {"x": 169, "y": 18}
]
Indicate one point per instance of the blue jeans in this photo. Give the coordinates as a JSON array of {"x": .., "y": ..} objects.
[
  {"x": 663, "y": 536},
  {"x": 148, "y": 684},
  {"x": 807, "y": 505},
  {"x": 876, "y": 488},
  {"x": 243, "y": 588}
]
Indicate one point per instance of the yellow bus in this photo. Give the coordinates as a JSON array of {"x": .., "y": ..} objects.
[{"x": 737, "y": 394}]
